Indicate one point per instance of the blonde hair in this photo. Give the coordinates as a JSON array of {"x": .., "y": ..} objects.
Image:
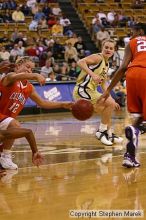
[
  {"x": 110, "y": 41},
  {"x": 21, "y": 60}
]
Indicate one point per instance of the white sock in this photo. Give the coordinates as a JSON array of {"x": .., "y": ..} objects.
[
  {"x": 102, "y": 127},
  {"x": 6, "y": 152},
  {"x": 109, "y": 132}
]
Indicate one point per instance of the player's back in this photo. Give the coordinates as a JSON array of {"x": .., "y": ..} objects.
[{"x": 138, "y": 49}]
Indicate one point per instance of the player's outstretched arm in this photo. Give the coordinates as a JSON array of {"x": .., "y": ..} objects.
[
  {"x": 48, "y": 104},
  {"x": 13, "y": 77},
  {"x": 14, "y": 133}
]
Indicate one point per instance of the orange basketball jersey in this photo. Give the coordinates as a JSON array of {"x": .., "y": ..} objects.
[
  {"x": 138, "y": 49},
  {"x": 13, "y": 98}
]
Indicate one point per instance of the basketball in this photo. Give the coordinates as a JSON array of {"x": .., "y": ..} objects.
[{"x": 82, "y": 109}]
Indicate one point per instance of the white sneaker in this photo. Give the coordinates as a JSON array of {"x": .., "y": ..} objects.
[
  {"x": 115, "y": 139},
  {"x": 7, "y": 163},
  {"x": 103, "y": 137}
]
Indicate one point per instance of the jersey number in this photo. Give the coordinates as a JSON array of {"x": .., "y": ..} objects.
[
  {"x": 141, "y": 45},
  {"x": 14, "y": 107}
]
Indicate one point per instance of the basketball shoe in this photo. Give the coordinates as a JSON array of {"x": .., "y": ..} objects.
[
  {"x": 103, "y": 137},
  {"x": 115, "y": 139},
  {"x": 130, "y": 161},
  {"x": 6, "y": 162},
  {"x": 131, "y": 134}
]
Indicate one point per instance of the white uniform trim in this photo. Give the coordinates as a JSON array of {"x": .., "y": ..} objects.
[
  {"x": 136, "y": 115},
  {"x": 5, "y": 123}
]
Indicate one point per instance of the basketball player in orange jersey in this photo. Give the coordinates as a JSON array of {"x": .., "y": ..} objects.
[
  {"x": 14, "y": 91},
  {"x": 94, "y": 73},
  {"x": 134, "y": 64}
]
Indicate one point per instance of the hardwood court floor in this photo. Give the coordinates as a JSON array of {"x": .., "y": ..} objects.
[{"x": 79, "y": 173}]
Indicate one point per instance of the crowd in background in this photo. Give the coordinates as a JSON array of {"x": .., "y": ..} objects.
[{"x": 54, "y": 60}]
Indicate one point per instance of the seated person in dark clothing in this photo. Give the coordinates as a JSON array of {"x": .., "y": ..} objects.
[
  {"x": 74, "y": 70},
  {"x": 80, "y": 47},
  {"x": 7, "y": 17},
  {"x": 25, "y": 9}
]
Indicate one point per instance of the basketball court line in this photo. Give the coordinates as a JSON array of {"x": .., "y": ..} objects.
[{"x": 70, "y": 162}]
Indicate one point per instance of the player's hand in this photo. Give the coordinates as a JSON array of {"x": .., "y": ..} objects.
[
  {"x": 67, "y": 105},
  {"x": 96, "y": 79},
  {"x": 41, "y": 79},
  {"x": 117, "y": 106},
  {"x": 104, "y": 96},
  {"x": 37, "y": 159}
]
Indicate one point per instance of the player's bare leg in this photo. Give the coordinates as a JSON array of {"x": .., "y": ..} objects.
[
  {"x": 6, "y": 158},
  {"x": 104, "y": 133}
]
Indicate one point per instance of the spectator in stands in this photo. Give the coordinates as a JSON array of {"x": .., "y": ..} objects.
[
  {"x": 5, "y": 38},
  {"x": 64, "y": 70},
  {"x": 96, "y": 18},
  {"x": 47, "y": 10},
  {"x": 25, "y": 9},
  {"x": 126, "y": 39},
  {"x": 20, "y": 37},
  {"x": 131, "y": 21},
  {"x": 105, "y": 23},
  {"x": 100, "y": 15},
  {"x": 51, "y": 21},
  {"x": 9, "y": 4},
  {"x": 14, "y": 35},
  {"x": 74, "y": 70},
  {"x": 34, "y": 9},
  {"x": 70, "y": 54},
  {"x": 111, "y": 17},
  {"x": 39, "y": 15},
  {"x": 51, "y": 77},
  {"x": 112, "y": 69},
  {"x": 50, "y": 57},
  {"x": 56, "y": 68},
  {"x": 42, "y": 59},
  {"x": 120, "y": 93},
  {"x": 15, "y": 51},
  {"x": 47, "y": 41},
  {"x": 32, "y": 52},
  {"x": 31, "y": 3},
  {"x": 33, "y": 26},
  {"x": 58, "y": 50},
  {"x": 45, "y": 70},
  {"x": 18, "y": 15},
  {"x": 4, "y": 54},
  {"x": 116, "y": 57},
  {"x": 40, "y": 47},
  {"x": 122, "y": 18},
  {"x": 73, "y": 39},
  {"x": 65, "y": 22},
  {"x": 21, "y": 48},
  {"x": 42, "y": 24},
  {"x": 56, "y": 10},
  {"x": 57, "y": 29},
  {"x": 96, "y": 26},
  {"x": 80, "y": 47},
  {"x": 101, "y": 36},
  {"x": 7, "y": 17}
]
